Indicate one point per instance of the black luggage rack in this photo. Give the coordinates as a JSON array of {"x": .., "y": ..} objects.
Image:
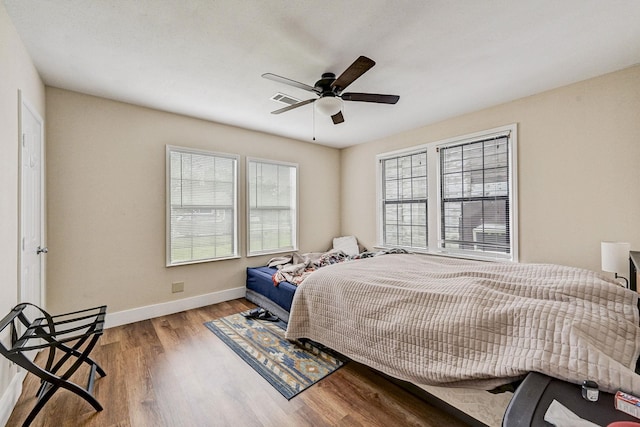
[{"x": 73, "y": 334}]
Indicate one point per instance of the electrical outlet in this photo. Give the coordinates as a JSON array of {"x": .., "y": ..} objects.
[{"x": 177, "y": 287}]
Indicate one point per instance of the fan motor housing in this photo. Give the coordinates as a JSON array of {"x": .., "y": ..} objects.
[{"x": 324, "y": 84}]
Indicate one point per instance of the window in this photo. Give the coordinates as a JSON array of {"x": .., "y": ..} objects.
[
  {"x": 405, "y": 200},
  {"x": 475, "y": 202},
  {"x": 202, "y": 206},
  {"x": 454, "y": 197},
  {"x": 272, "y": 207}
]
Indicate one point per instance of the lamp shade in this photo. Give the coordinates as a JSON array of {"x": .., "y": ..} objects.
[
  {"x": 615, "y": 257},
  {"x": 329, "y": 105}
]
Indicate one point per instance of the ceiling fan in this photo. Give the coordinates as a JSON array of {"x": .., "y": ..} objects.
[{"x": 329, "y": 89}]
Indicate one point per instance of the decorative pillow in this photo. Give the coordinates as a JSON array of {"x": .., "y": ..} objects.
[{"x": 347, "y": 244}]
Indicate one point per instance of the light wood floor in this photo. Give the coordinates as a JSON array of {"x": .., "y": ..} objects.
[{"x": 172, "y": 371}]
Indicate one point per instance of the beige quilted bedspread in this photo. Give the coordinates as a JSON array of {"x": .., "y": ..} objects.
[{"x": 441, "y": 321}]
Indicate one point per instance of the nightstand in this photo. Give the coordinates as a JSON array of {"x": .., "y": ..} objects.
[{"x": 532, "y": 398}]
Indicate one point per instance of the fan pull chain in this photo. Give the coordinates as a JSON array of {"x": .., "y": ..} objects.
[{"x": 314, "y": 122}]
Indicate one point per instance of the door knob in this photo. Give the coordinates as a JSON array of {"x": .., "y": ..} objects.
[{"x": 42, "y": 250}]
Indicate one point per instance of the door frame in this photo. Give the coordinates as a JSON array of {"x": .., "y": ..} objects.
[{"x": 24, "y": 104}]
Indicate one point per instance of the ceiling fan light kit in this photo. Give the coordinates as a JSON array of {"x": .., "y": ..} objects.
[
  {"x": 329, "y": 90},
  {"x": 329, "y": 105}
]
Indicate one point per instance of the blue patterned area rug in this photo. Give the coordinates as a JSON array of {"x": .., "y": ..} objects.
[{"x": 289, "y": 366}]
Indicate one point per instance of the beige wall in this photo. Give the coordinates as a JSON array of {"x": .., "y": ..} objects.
[
  {"x": 578, "y": 161},
  {"x": 106, "y": 190},
  {"x": 579, "y": 150},
  {"x": 16, "y": 73}
]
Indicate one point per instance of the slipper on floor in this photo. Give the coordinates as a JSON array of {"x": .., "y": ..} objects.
[
  {"x": 253, "y": 313},
  {"x": 260, "y": 314},
  {"x": 267, "y": 316}
]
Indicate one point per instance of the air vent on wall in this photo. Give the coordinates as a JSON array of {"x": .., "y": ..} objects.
[{"x": 285, "y": 99}]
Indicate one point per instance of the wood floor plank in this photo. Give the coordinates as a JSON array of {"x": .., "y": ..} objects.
[{"x": 173, "y": 371}]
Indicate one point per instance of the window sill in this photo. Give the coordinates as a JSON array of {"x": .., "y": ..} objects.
[
  {"x": 201, "y": 261},
  {"x": 274, "y": 252},
  {"x": 441, "y": 253}
]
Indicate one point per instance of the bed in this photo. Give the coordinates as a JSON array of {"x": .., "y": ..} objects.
[{"x": 431, "y": 321}]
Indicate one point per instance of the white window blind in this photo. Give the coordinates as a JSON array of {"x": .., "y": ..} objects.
[
  {"x": 475, "y": 200},
  {"x": 272, "y": 206},
  {"x": 404, "y": 200},
  {"x": 201, "y": 206},
  {"x": 454, "y": 197}
]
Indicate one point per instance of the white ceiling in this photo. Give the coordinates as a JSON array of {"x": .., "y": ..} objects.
[{"x": 204, "y": 58}]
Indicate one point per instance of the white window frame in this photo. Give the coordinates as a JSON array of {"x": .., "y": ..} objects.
[
  {"x": 235, "y": 239},
  {"x": 382, "y": 200},
  {"x": 294, "y": 228},
  {"x": 434, "y": 196}
]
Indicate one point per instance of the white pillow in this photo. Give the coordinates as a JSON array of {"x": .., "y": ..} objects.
[{"x": 347, "y": 244}]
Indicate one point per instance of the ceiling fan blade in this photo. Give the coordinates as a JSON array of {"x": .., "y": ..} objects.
[
  {"x": 370, "y": 97},
  {"x": 337, "y": 118},
  {"x": 291, "y": 107},
  {"x": 355, "y": 70},
  {"x": 280, "y": 79}
]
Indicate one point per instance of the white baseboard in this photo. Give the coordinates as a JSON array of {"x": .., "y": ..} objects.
[
  {"x": 10, "y": 397},
  {"x": 150, "y": 311}
]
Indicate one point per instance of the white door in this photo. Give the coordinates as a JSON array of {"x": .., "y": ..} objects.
[{"x": 32, "y": 246}]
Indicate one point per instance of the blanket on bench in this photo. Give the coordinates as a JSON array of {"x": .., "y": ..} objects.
[{"x": 295, "y": 268}]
